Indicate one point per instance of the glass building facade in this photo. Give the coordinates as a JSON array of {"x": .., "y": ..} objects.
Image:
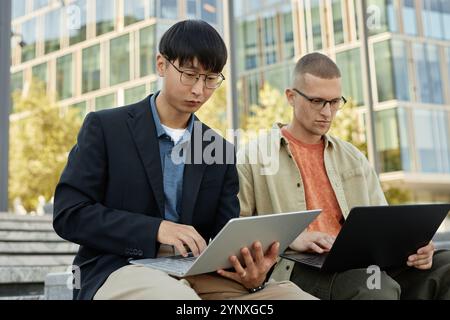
[
  {"x": 96, "y": 54},
  {"x": 409, "y": 60}
]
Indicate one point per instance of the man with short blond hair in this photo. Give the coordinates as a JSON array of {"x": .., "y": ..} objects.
[{"x": 318, "y": 171}]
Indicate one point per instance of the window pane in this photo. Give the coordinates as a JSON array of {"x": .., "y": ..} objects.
[
  {"x": 253, "y": 89},
  {"x": 191, "y": 9},
  {"x": 445, "y": 7},
  {"x": 105, "y": 102},
  {"x": 432, "y": 19},
  {"x": 17, "y": 81},
  {"x": 120, "y": 59},
  {"x": 435, "y": 73},
  {"x": 135, "y": 94},
  {"x": 105, "y": 16},
  {"x": 64, "y": 76},
  {"x": 29, "y": 40},
  {"x": 349, "y": 63},
  {"x": 169, "y": 9},
  {"x": 401, "y": 75},
  {"x": 403, "y": 129},
  {"x": 278, "y": 77},
  {"x": 288, "y": 33},
  {"x": 81, "y": 107},
  {"x": 409, "y": 17},
  {"x": 16, "y": 86},
  {"x": 388, "y": 142},
  {"x": 383, "y": 67},
  {"x": 134, "y": 11},
  {"x": 91, "y": 69},
  {"x": 448, "y": 65},
  {"x": 38, "y": 4},
  {"x": 316, "y": 24},
  {"x": 76, "y": 21},
  {"x": 250, "y": 37},
  {"x": 18, "y": 8},
  {"x": 147, "y": 51},
  {"x": 432, "y": 140},
  {"x": 269, "y": 30},
  {"x": 428, "y": 73},
  {"x": 270, "y": 39},
  {"x": 39, "y": 73},
  {"x": 382, "y": 16},
  {"x": 209, "y": 11},
  {"x": 52, "y": 31},
  {"x": 337, "y": 22}
]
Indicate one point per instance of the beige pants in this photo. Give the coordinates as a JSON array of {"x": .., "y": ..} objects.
[{"x": 142, "y": 283}]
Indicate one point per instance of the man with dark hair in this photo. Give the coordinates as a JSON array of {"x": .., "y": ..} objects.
[
  {"x": 317, "y": 171},
  {"x": 125, "y": 195}
]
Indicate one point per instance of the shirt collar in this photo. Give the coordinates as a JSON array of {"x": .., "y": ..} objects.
[
  {"x": 159, "y": 129},
  {"x": 281, "y": 140}
]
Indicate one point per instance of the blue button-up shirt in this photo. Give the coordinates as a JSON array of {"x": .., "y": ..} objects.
[{"x": 173, "y": 170}]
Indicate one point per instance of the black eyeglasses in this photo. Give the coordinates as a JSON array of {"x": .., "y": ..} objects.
[
  {"x": 319, "y": 103},
  {"x": 190, "y": 78}
]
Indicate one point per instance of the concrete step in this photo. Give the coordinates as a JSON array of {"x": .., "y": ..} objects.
[
  {"x": 29, "y": 274},
  {"x": 35, "y": 260},
  {"x": 51, "y": 248},
  {"x": 30, "y": 236},
  {"x": 23, "y": 298},
  {"x": 15, "y": 217},
  {"x": 25, "y": 226}
]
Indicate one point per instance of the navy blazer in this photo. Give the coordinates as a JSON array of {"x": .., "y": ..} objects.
[{"x": 110, "y": 197}]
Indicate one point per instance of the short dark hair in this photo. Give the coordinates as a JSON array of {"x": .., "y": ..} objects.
[
  {"x": 191, "y": 39},
  {"x": 318, "y": 65}
]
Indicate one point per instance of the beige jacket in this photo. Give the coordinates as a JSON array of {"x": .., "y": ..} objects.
[{"x": 270, "y": 181}]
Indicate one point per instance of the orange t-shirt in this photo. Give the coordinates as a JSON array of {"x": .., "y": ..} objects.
[{"x": 318, "y": 191}]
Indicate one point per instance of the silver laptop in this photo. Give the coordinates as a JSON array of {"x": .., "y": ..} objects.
[{"x": 236, "y": 234}]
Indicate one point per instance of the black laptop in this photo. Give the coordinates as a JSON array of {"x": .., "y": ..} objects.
[{"x": 384, "y": 236}]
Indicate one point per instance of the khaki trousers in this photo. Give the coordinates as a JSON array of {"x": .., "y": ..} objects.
[{"x": 141, "y": 283}]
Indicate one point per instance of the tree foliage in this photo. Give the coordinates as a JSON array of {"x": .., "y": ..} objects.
[{"x": 40, "y": 138}]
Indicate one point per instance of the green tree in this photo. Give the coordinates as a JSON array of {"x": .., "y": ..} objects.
[
  {"x": 347, "y": 126},
  {"x": 40, "y": 139},
  {"x": 395, "y": 195},
  {"x": 214, "y": 112},
  {"x": 273, "y": 107}
]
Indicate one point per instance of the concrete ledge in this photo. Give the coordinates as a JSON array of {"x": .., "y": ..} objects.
[
  {"x": 56, "y": 286},
  {"x": 35, "y": 260},
  {"x": 29, "y": 236},
  {"x": 50, "y": 248},
  {"x": 31, "y": 274}
]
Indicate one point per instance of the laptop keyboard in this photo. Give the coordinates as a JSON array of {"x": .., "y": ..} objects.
[
  {"x": 315, "y": 260},
  {"x": 176, "y": 265}
]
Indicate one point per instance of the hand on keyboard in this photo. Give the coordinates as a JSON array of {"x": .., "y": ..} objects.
[
  {"x": 318, "y": 242},
  {"x": 179, "y": 235}
]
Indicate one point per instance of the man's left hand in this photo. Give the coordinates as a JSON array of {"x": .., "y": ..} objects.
[
  {"x": 257, "y": 265},
  {"x": 423, "y": 259}
]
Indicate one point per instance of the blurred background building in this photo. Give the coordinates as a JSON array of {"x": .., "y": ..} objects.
[{"x": 97, "y": 54}]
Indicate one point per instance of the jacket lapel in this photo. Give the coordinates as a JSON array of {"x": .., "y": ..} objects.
[{"x": 143, "y": 131}]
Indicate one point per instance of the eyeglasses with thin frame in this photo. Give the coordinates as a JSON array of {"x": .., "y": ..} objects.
[
  {"x": 319, "y": 103},
  {"x": 190, "y": 78}
]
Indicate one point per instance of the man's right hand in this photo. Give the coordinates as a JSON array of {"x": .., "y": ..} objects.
[
  {"x": 178, "y": 235},
  {"x": 313, "y": 241}
]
